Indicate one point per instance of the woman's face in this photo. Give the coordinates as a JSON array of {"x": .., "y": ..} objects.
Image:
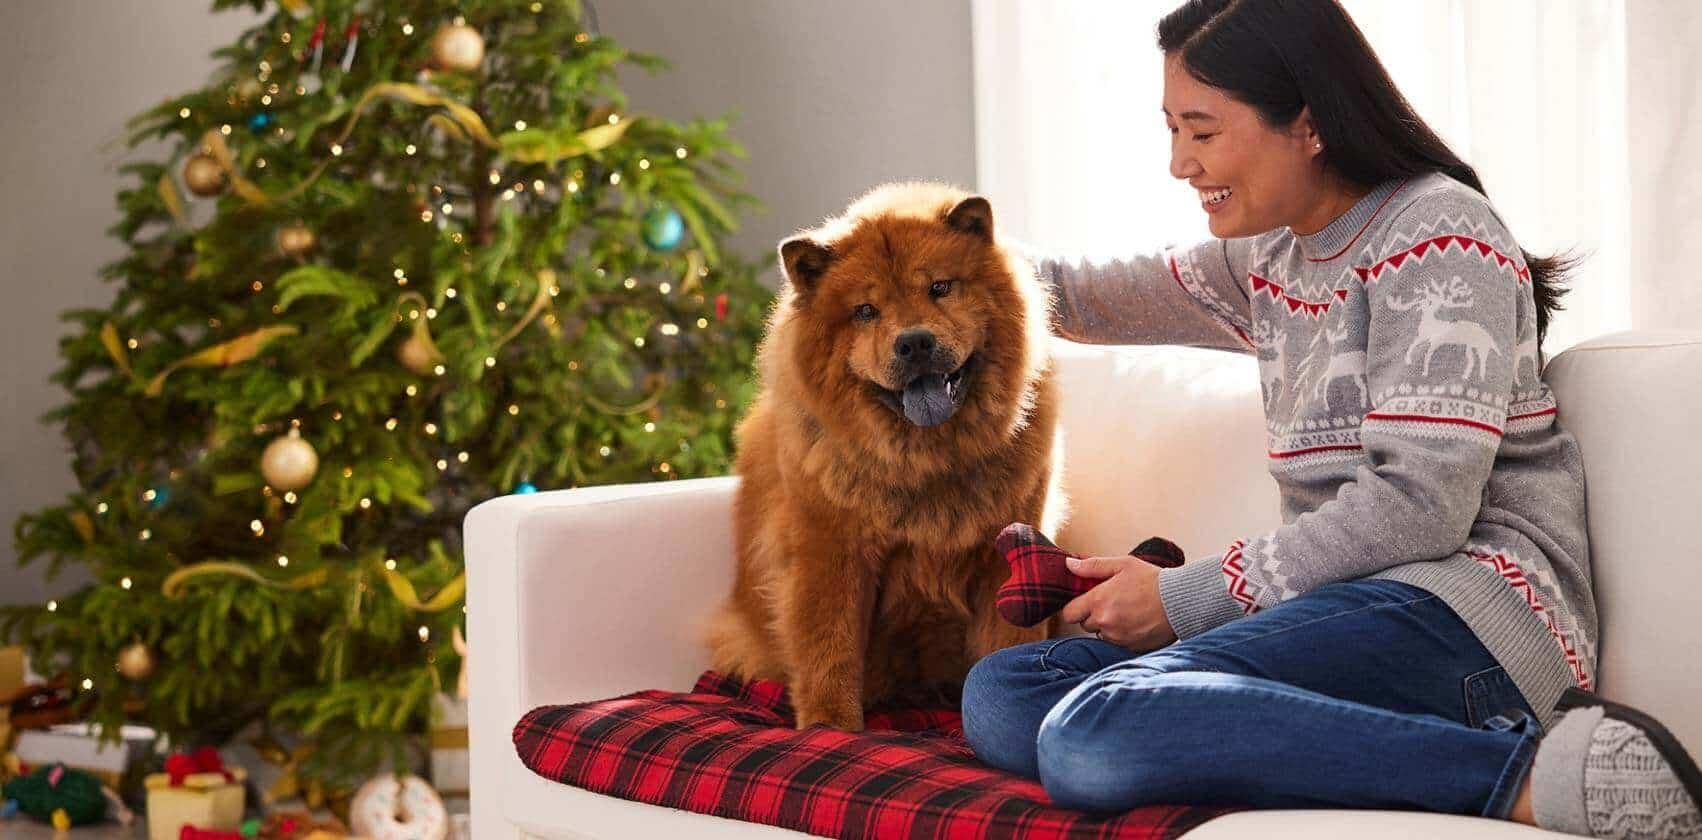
[{"x": 1251, "y": 178}]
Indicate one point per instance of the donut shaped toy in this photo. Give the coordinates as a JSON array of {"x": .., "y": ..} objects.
[{"x": 392, "y": 807}]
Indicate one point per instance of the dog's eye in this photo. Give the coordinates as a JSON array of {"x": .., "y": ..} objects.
[
  {"x": 865, "y": 312},
  {"x": 940, "y": 289}
]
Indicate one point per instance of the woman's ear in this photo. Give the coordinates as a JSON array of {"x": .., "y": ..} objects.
[{"x": 1304, "y": 131}]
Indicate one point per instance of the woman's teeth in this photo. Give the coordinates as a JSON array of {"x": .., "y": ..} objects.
[{"x": 1215, "y": 196}]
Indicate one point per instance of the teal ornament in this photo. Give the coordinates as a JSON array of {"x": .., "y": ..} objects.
[
  {"x": 663, "y": 228},
  {"x": 258, "y": 122},
  {"x": 162, "y": 495},
  {"x": 524, "y": 488},
  {"x": 9, "y": 810}
]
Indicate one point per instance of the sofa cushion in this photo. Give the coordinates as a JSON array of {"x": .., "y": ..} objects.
[{"x": 729, "y": 749}]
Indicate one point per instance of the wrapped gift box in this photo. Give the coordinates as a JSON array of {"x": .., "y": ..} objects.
[
  {"x": 77, "y": 745},
  {"x": 203, "y": 800},
  {"x": 449, "y": 746}
]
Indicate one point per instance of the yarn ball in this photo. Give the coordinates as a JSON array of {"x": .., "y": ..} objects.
[{"x": 54, "y": 787}]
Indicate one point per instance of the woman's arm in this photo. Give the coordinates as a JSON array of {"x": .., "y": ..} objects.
[{"x": 1190, "y": 296}]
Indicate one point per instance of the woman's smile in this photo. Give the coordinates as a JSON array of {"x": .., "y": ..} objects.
[{"x": 1213, "y": 198}]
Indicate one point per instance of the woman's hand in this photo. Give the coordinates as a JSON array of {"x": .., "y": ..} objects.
[{"x": 1124, "y": 610}]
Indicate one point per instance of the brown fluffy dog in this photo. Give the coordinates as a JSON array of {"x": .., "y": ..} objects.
[{"x": 906, "y": 416}]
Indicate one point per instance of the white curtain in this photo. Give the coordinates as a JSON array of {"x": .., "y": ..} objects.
[{"x": 1072, "y": 148}]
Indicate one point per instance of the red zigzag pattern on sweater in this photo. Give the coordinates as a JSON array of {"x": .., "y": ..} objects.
[
  {"x": 1393, "y": 262},
  {"x": 1234, "y": 568},
  {"x": 1509, "y": 571}
]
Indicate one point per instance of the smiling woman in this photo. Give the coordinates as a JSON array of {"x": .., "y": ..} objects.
[
  {"x": 1251, "y": 176},
  {"x": 1425, "y": 614}
]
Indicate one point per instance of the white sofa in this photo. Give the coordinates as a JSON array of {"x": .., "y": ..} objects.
[{"x": 592, "y": 593}]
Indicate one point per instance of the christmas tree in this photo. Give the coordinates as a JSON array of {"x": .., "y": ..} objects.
[{"x": 441, "y": 262}]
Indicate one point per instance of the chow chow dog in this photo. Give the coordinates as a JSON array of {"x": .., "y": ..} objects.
[{"x": 906, "y": 415}]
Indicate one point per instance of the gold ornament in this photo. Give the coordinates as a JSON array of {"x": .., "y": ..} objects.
[
  {"x": 458, "y": 47},
  {"x": 289, "y": 462},
  {"x": 418, "y": 355},
  {"x": 295, "y": 240},
  {"x": 203, "y": 175},
  {"x": 248, "y": 88},
  {"x": 136, "y": 661}
]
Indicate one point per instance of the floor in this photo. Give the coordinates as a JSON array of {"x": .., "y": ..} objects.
[{"x": 24, "y": 828}]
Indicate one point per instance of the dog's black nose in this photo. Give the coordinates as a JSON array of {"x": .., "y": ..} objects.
[{"x": 914, "y": 344}]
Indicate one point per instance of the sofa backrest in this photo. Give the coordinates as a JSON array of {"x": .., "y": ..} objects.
[{"x": 1170, "y": 441}]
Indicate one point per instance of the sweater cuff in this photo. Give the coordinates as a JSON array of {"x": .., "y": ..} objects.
[{"x": 1196, "y": 596}]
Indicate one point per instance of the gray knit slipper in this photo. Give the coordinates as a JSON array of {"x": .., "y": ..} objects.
[{"x": 1637, "y": 779}]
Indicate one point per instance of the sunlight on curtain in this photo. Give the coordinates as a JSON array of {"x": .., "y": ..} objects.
[{"x": 1072, "y": 149}]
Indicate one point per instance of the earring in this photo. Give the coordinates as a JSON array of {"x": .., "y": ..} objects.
[{"x": 1318, "y": 146}]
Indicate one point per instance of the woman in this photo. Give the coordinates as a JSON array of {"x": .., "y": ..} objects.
[{"x": 1421, "y": 633}]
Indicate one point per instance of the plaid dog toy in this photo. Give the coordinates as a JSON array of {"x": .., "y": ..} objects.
[{"x": 1041, "y": 584}]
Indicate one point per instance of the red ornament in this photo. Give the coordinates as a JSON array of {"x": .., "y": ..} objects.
[{"x": 721, "y": 307}]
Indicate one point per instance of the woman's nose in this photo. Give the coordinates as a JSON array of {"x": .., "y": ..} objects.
[{"x": 1183, "y": 165}]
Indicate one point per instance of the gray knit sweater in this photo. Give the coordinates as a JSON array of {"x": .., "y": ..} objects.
[{"x": 1409, "y": 429}]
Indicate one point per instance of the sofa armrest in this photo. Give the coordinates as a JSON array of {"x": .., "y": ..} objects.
[{"x": 583, "y": 594}]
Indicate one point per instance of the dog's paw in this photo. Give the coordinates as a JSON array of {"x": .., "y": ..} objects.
[{"x": 847, "y": 719}]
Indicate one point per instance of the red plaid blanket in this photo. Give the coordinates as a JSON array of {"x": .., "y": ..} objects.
[{"x": 729, "y": 749}]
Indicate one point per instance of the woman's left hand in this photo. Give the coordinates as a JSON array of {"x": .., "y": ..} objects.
[{"x": 1124, "y": 610}]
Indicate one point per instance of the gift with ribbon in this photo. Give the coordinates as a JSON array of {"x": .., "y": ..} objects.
[{"x": 195, "y": 790}]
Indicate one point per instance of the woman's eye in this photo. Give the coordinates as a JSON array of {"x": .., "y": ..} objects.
[
  {"x": 940, "y": 288},
  {"x": 1201, "y": 138},
  {"x": 865, "y": 312}
]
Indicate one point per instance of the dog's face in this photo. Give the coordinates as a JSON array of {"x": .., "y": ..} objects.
[{"x": 902, "y": 307}]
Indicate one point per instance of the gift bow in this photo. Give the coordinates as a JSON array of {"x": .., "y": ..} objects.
[{"x": 203, "y": 760}]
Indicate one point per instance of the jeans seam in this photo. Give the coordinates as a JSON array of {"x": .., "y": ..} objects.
[
  {"x": 1315, "y": 621},
  {"x": 1467, "y": 685},
  {"x": 1298, "y": 694},
  {"x": 1045, "y": 660},
  {"x": 1500, "y": 802}
]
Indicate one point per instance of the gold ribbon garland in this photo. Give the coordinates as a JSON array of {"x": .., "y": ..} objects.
[
  {"x": 213, "y": 142},
  {"x": 422, "y": 333},
  {"x": 546, "y": 282},
  {"x": 224, "y": 354},
  {"x": 85, "y": 526},
  {"x": 405, "y": 593},
  {"x": 402, "y": 588},
  {"x": 115, "y": 347},
  {"x": 461, "y": 122},
  {"x": 544, "y": 145},
  {"x": 173, "y": 586},
  {"x": 465, "y": 116},
  {"x": 290, "y": 782},
  {"x": 168, "y": 195}
]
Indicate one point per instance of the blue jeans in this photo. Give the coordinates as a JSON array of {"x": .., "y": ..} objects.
[{"x": 1362, "y": 694}]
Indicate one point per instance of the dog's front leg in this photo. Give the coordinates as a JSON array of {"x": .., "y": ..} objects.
[{"x": 825, "y": 622}]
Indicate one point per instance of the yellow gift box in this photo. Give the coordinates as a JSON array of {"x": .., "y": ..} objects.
[{"x": 204, "y": 800}]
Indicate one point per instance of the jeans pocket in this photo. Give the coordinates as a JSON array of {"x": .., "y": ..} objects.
[{"x": 1492, "y": 692}]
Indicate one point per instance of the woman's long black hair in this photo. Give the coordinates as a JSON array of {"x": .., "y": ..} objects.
[{"x": 1281, "y": 55}]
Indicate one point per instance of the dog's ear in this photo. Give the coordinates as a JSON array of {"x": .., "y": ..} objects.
[
  {"x": 804, "y": 260},
  {"x": 972, "y": 215}
]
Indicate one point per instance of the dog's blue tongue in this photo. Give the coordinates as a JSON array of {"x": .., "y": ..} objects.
[{"x": 926, "y": 402}]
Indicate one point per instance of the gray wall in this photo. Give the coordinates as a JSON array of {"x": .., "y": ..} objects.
[{"x": 833, "y": 98}]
